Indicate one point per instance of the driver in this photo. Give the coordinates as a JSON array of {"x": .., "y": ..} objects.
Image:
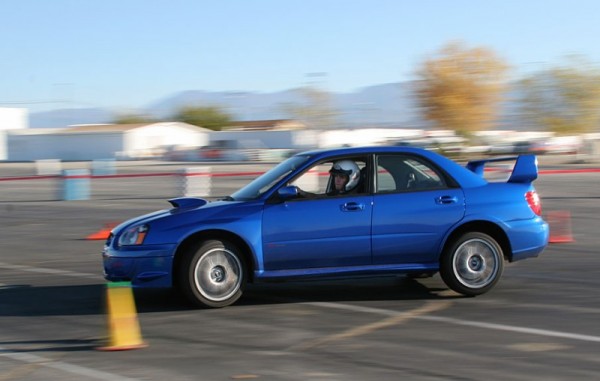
[{"x": 345, "y": 174}]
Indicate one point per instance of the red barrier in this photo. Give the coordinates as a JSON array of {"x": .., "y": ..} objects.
[
  {"x": 132, "y": 175},
  {"x": 239, "y": 174},
  {"x": 560, "y": 171},
  {"x": 233, "y": 174}
]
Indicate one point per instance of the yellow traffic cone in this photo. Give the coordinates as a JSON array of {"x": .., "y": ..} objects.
[{"x": 123, "y": 325}]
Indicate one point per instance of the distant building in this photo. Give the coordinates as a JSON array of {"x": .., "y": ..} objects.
[
  {"x": 366, "y": 136},
  {"x": 278, "y": 134},
  {"x": 11, "y": 119},
  {"x": 267, "y": 125},
  {"x": 92, "y": 142}
]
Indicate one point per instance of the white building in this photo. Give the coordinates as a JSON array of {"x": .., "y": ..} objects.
[
  {"x": 264, "y": 139},
  {"x": 366, "y": 136},
  {"x": 93, "y": 142},
  {"x": 11, "y": 119},
  {"x": 283, "y": 139}
]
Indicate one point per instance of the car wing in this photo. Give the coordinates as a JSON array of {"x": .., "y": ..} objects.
[{"x": 525, "y": 169}]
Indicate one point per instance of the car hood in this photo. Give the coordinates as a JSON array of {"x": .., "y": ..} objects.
[{"x": 187, "y": 215}]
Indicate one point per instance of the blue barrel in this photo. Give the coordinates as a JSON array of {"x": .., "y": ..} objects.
[
  {"x": 103, "y": 167},
  {"x": 76, "y": 184}
]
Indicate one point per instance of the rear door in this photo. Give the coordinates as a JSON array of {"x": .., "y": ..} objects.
[{"x": 413, "y": 207}]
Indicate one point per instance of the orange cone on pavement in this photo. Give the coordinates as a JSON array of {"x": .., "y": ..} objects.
[
  {"x": 123, "y": 325},
  {"x": 103, "y": 233},
  {"x": 560, "y": 226}
]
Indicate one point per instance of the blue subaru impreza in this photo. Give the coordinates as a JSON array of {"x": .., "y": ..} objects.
[{"x": 339, "y": 213}]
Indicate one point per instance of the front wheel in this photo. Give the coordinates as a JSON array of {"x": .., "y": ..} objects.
[
  {"x": 472, "y": 264},
  {"x": 213, "y": 274}
]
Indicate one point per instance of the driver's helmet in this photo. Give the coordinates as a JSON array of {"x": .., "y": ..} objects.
[{"x": 348, "y": 168}]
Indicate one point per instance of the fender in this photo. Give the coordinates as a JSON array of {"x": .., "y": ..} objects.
[{"x": 467, "y": 220}]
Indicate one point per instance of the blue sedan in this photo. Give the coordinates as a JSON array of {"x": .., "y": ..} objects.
[{"x": 339, "y": 213}]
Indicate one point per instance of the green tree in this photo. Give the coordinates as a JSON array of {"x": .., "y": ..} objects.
[
  {"x": 461, "y": 88},
  {"x": 210, "y": 117},
  {"x": 133, "y": 119},
  {"x": 564, "y": 99}
]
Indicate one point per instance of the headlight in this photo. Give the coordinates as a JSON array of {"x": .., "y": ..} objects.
[{"x": 134, "y": 235}]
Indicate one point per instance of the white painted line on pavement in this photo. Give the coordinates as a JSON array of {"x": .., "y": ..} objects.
[
  {"x": 46, "y": 362},
  {"x": 441, "y": 319},
  {"x": 32, "y": 269},
  {"x": 62, "y": 366},
  {"x": 512, "y": 328}
]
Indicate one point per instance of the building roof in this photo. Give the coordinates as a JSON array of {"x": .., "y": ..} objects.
[
  {"x": 105, "y": 127},
  {"x": 126, "y": 127},
  {"x": 275, "y": 124}
]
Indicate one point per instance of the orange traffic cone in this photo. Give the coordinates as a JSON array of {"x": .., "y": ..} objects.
[
  {"x": 103, "y": 233},
  {"x": 123, "y": 325},
  {"x": 560, "y": 226}
]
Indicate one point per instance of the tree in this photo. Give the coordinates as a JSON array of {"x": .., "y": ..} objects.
[
  {"x": 461, "y": 88},
  {"x": 210, "y": 117},
  {"x": 314, "y": 108},
  {"x": 564, "y": 99},
  {"x": 133, "y": 119}
]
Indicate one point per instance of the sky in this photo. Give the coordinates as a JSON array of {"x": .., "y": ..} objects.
[{"x": 127, "y": 54}]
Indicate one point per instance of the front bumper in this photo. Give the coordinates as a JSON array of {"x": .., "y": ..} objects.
[{"x": 146, "y": 266}]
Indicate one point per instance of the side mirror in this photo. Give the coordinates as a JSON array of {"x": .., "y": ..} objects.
[{"x": 287, "y": 192}]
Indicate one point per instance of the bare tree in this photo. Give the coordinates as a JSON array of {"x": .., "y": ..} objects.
[
  {"x": 314, "y": 108},
  {"x": 564, "y": 99}
]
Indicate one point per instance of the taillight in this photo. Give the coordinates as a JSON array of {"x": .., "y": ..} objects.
[{"x": 534, "y": 202}]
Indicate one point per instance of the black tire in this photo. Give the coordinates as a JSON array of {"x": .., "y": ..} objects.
[
  {"x": 213, "y": 274},
  {"x": 472, "y": 264}
]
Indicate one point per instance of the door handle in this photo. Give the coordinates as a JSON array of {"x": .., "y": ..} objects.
[
  {"x": 444, "y": 200},
  {"x": 352, "y": 207}
]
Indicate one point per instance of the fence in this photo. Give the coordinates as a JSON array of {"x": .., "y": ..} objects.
[
  {"x": 139, "y": 181},
  {"x": 154, "y": 181}
]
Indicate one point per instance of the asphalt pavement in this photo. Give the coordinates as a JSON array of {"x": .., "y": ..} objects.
[{"x": 539, "y": 323}]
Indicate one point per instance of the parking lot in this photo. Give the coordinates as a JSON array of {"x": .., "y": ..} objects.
[{"x": 539, "y": 323}]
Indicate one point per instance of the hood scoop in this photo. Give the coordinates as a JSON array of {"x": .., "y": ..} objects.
[{"x": 187, "y": 202}]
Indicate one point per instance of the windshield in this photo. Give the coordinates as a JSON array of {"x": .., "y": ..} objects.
[{"x": 263, "y": 183}]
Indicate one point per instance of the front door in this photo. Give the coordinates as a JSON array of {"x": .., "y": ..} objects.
[{"x": 315, "y": 233}]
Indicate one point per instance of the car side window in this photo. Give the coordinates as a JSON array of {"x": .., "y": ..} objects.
[
  {"x": 401, "y": 173},
  {"x": 318, "y": 182},
  {"x": 314, "y": 180},
  {"x": 385, "y": 180}
]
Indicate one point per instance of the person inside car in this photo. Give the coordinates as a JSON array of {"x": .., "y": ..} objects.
[{"x": 346, "y": 175}]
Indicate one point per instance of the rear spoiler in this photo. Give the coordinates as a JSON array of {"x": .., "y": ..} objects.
[{"x": 525, "y": 169}]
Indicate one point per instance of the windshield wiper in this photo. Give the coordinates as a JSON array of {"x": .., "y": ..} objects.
[{"x": 227, "y": 198}]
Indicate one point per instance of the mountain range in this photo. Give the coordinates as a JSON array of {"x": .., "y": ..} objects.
[{"x": 378, "y": 105}]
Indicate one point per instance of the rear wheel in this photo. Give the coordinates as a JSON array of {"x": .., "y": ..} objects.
[
  {"x": 472, "y": 264},
  {"x": 213, "y": 274}
]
